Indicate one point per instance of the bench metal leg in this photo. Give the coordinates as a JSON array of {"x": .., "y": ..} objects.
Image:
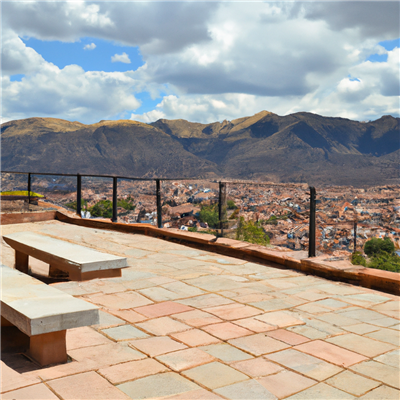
[
  {"x": 21, "y": 262},
  {"x": 49, "y": 348}
]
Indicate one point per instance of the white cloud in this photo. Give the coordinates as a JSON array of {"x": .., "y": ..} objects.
[
  {"x": 212, "y": 61},
  {"x": 124, "y": 58},
  {"x": 90, "y": 46}
]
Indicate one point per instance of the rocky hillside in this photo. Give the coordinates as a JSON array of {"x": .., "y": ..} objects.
[{"x": 301, "y": 147}]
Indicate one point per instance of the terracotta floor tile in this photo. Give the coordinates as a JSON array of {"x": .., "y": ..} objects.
[
  {"x": 206, "y": 300},
  {"x": 108, "y": 320},
  {"x": 163, "y": 326},
  {"x": 258, "y": 344},
  {"x": 382, "y": 392},
  {"x": 379, "y": 372},
  {"x": 285, "y": 383},
  {"x": 214, "y": 375},
  {"x": 321, "y": 391},
  {"x": 199, "y": 394},
  {"x": 305, "y": 364},
  {"x": 132, "y": 370},
  {"x": 352, "y": 383},
  {"x": 392, "y": 358},
  {"x": 83, "y": 337},
  {"x": 158, "y": 386},
  {"x": 89, "y": 385},
  {"x": 106, "y": 354},
  {"x": 185, "y": 359},
  {"x": 249, "y": 390},
  {"x": 226, "y": 330},
  {"x": 162, "y": 309},
  {"x": 124, "y": 332},
  {"x": 331, "y": 353},
  {"x": 197, "y": 318},
  {"x": 71, "y": 368},
  {"x": 280, "y": 319},
  {"x": 225, "y": 352},
  {"x": 129, "y": 315},
  {"x": 257, "y": 367},
  {"x": 35, "y": 392},
  {"x": 156, "y": 346},
  {"x": 11, "y": 379},
  {"x": 386, "y": 335},
  {"x": 195, "y": 337},
  {"x": 287, "y": 337},
  {"x": 361, "y": 344},
  {"x": 254, "y": 325},
  {"x": 233, "y": 311},
  {"x": 120, "y": 301}
]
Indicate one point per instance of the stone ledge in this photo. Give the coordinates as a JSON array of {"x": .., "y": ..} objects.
[{"x": 341, "y": 270}]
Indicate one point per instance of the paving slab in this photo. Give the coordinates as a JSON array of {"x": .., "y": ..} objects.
[
  {"x": 352, "y": 383},
  {"x": 330, "y": 353},
  {"x": 162, "y": 309},
  {"x": 163, "y": 326},
  {"x": 249, "y": 390},
  {"x": 378, "y": 371},
  {"x": 257, "y": 367},
  {"x": 132, "y": 370},
  {"x": 310, "y": 366},
  {"x": 392, "y": 358},
  {"x": 11, "y": 379},
  {"x": 361, "y": 344},
  {"x": 254, "y": 325},
  {"x": 106, "y": 320},
  {"x": 386, "y": 335},
  {"x": 156, "y": 346},
  {"x": 119, "y": 301},
  {"x": 215, "y": 375},
  {"x": 84, "y": 337},
  {"x": 199, "y": 394},
  {"x": 197, "y": 318},
  {"x": 128, "y": 316},
  {"x": 234, "y": 311},
  {"x": 287, "y": 337},
  {"x": 226, "y": 352},
  {"x": 226, "y": 330},
  {"x": 185, "y": 359},
  {"x": 35, "y": 392},
  {"x": 88, "y": 385},
  {"x": 321, "y": 391},
  {"x": 124, "y": 332},
  {"x": 382, "y": 392},
  {"x": 280, "y": 319},
  {"x": 155, "y": 386},
  {"x": 195, "y": 337},
  {"x": 206, "y": 300},
  {"x": 285, "y": 383},
  {"x": 258, "y": 344}
]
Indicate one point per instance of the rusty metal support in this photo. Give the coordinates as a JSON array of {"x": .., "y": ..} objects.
[
  {"x": 222, "y": 207},
  {"x": 29, "y": 189},
  {"x": 355, "y": 236}
]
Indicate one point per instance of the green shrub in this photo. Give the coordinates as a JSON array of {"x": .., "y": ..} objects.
[
  {"x": 375, "y": 246},
  {"x": 127, "y": 204},
  {"x": 72, "y": 204},
  {"x": 231, "y": 205},
  {"x": 358, "y": 259},
  {"x": 251, "y": 232},
  {"x": 102, "y": 208},
  {"x": 210, "y": 215},
  {"x": 192, "y": 229},
  {"x": 385, "y": 261}
]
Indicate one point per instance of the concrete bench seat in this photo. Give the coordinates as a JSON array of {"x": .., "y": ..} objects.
[
  {"x": 79, "y": 262},
  {"x": 35, "y": 316}
]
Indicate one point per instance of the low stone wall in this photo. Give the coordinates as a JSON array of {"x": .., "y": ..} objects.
[{"x": 341, "y": 270}]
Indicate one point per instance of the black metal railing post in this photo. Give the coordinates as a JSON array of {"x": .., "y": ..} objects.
[
  {"x": 29, "y": 189},
  {"x": 355, "y": 236},
  {"x": 114, "y": 201},
  {"x": 158, "y": 199},
  {"x": 79, "y": 195},
  {"x": 311, "y": 233},
  {"x": 222, "y": 207}
]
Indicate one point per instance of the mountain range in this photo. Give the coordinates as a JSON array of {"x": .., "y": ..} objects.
[{"x": 300, "y": 147}]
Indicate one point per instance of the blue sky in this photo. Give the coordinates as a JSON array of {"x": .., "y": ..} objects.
[{"x": 199, "y": 61}]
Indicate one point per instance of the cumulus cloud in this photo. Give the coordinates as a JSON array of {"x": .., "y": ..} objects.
[
  {"x": 90, "y": 46},
  {"x": 124, "y": 58},
  {"x": 211, "y": 60}
]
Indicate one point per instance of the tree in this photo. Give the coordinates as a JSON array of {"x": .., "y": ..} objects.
[
  {"x": 210, "y": 215},
  {"x": 376, "y": 246},
  {"x": 231, "y": 205},
  {"x": 102, "y": 208},
  {"x": 251, "y": 232}
]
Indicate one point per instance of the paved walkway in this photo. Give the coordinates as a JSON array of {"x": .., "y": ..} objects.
[{"x": 185, "y": 324}]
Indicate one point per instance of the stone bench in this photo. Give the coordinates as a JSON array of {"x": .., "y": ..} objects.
[
  {"x": 79, "y": 262},
  {"x": 35, "y": 317}
]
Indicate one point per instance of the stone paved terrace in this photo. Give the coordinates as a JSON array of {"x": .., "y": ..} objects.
[{"x": 185, "y": 324}]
